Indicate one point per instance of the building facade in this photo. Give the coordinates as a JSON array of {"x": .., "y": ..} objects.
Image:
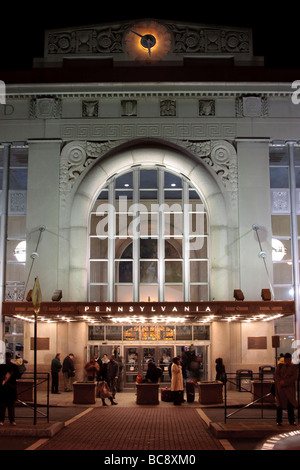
[{"x": 150, "y": 170}]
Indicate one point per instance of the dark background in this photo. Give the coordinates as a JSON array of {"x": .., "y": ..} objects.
[{"x": 275, "y": 32}]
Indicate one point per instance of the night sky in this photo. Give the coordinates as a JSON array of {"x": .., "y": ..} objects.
[{"x": 276, "y": 34}]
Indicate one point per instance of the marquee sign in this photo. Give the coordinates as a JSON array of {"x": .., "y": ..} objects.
[{"x": 108, "y": 311}]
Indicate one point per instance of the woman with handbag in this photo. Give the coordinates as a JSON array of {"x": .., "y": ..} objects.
[{"x": 104, "y": 392}]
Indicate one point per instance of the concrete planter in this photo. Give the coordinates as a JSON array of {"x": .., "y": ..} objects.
[
  {"x": 147, "y": 394},
  {"x": 84, "y": 392},
  {"x": 261, "y": 389},
  {"x": 210, "y": 392},
  {"x": 25, "y": 390}
]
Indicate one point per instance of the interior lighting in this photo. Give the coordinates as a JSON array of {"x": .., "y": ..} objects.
[
  {"x": 278, "y": 250},
  {"x": 20, "y": 252}
]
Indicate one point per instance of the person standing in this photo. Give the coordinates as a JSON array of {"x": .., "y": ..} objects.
[
  {"x": 55, "y": 369},
  {"x": 68, "y": 372},
  {"x": 112, "y": 375},
  {"x": 92, "y": 369},
  {"x": 220, "y": 370},
  {"x": 20, "y": 362},
  {"x": 285, "y": 377},
  {"x": 177, "y": 381},
  {"x": 9, "y": 374}
]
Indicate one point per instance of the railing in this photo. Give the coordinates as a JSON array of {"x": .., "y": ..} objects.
[
  {"x": 36, "y": 381},
  {"x": 259, "y": 401}
]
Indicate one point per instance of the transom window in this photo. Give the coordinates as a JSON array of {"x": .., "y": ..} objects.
[{"x": 148, "y": 237}]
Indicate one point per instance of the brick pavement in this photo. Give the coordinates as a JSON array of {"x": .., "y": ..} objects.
[{"x": 147, "y": 428}]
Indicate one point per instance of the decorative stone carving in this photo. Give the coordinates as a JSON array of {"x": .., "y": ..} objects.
[
  {"x": 129, "y": 107},
  {"x": 17, "y": 202},
  {"x": 45, "y": 108},
  {"x": 206, "y": 108},
  {"x": 14, "y": 291},
  {"x": 100, "y": 39},
  {"x": 251, "y": 106},
  {"x": 90, "y": 108},
  {"x": 168, "y": 108},
  {"x": 76, "y": 156},
  {"x": 109, "y": 39},
  {"x": 209, "y": 40},
  {"x": 280, "y": 201},
  {"x": 220, "y": 156}
]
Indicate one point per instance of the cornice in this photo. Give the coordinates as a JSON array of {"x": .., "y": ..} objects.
[{"x": 144, "y": 90}]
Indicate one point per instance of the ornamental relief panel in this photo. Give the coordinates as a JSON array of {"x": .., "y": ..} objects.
[
  {"x": 109, "y": 39},
  {"x": 219, "y": 156}
]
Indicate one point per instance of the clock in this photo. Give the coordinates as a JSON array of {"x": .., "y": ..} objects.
[{"x": 147, "y": 41}]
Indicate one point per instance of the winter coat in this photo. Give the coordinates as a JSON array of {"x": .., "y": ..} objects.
[
  {"x": 288, "y": 373},
  {"x": 55, "y": 365},
  {"x": 92, "y": 368},
  {"x": 177, "y": 378},
  {"x": 112, "y": 370},
  {"x": 9, "y": 374}
]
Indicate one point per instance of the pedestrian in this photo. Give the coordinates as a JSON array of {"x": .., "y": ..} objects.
[
  {"x": 9, "y": 374},
  {"x": 104, "y": 392},
  {"x": 55, "y": 369},
  {"x": 220, "y": 370},
  {"x": 68, "y": 372},
  {"x": 105, "y": 359},
  {"x": 177, "y": 381},
  {"x": 153, "y": 373},
  {"x": 92, "y": 369},
  {"x": 285, "y": 377},
  {"x": 20, "y": 362},
  {"x": 112, "y": 375}
]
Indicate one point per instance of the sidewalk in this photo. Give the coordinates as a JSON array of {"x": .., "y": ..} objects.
[{"x": 243, "y": 423}]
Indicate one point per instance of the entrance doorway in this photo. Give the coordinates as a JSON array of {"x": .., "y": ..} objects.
[{"x": 136, "y": 359}]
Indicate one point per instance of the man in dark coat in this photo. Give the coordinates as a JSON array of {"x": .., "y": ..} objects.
[
  {"x": 286, "y": 375},
  {"x": 68, "y": 372},
  {"x": 55, "y": 369},
  {"x": 112, "y": 375},
  {"x": 9, "y": 373}
]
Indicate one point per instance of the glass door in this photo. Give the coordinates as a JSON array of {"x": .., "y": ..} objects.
[
  {"x": 137, "y": 359},
  {"x": 132, "y": 364}
]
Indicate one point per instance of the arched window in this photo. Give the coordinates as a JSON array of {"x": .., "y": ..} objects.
[{"x": 148, "y": 236}]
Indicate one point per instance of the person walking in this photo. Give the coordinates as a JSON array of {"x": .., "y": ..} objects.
[
  {"x": 9, "y": 374},
  {"x": 285, "y": 377},
  {"x": 112, "y": 375},
  {"x": 55, "y": 369},
  {"x": 68, "y": 372},
  {"x": 177, "y": 381}
]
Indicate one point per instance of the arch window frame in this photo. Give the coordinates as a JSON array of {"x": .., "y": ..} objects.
[{"x": 138, "y": 288}]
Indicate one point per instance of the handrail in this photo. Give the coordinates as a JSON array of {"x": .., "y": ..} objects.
[
  {"x": 41, "y": 378},
  {"x": 259, "y": 398}
]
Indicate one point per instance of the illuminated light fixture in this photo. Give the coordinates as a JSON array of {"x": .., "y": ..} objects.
[
  {"x": 266, "y": 294},
  {"x": 238, "y": 294},
  {"x": 278, "y": 250},
  {"x": 274, "y": 317},
  {"x": 20, "y": 252}
]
